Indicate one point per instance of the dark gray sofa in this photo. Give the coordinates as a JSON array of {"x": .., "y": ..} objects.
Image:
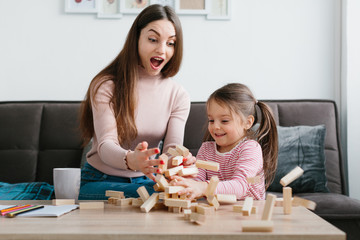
[{"x": 36, "y": 137}]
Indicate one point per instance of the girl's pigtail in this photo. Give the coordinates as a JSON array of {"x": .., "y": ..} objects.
[{"x": 267, "y": 137}]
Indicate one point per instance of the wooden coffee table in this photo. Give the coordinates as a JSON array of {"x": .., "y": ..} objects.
[{"x": 115, "y": 222}]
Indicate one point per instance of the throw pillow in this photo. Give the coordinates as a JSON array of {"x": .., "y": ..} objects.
[
  {"x": 26, "y": 191},
  {"x": 302, "y": 146}
]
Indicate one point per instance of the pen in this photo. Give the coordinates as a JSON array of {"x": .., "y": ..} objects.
[
  {"x": 13, "y": 214},
  {"x": 14, "y": 208}
]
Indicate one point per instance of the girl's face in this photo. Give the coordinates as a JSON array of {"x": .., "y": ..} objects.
[
  {"x": 227, "y": 129},
  {"x": 156, "y": 45}
]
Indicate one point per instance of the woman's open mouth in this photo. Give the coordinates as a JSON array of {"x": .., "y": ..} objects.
[{"x": 156, "y": 62}]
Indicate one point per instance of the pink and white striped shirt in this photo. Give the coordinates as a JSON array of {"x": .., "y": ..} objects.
[{"x": 243, "y": 161}]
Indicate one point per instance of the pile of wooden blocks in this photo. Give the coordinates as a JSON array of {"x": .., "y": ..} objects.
[{"x": 167, "y": 195}]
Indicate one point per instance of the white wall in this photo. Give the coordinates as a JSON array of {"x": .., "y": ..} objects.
[
  {"x": 282, "y": 49},
  {"x": 353, "y": 98}
]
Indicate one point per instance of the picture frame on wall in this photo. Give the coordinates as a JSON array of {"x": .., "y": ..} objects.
[
  {"x": 133, "y": 6},
  {"x": 81, "y": 6},
  {"x": 170, "y": 3},
  {"x": 219, "y": 10},
  {"x": 192, "y": 7},
  {"x": 109, "y": 9}
]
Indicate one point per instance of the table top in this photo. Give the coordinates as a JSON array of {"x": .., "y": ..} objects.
[{"x": 128, "y": 222}]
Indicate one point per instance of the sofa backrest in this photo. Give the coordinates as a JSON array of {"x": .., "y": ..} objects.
[
  {"x": 288, "y": 113},
  {"x": 36, "y": 137}
]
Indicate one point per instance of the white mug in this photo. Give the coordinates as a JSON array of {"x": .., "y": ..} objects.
[{"x": 67, "y": 183}]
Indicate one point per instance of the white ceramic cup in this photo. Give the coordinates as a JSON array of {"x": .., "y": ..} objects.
[{"x": 67, "y": 183}]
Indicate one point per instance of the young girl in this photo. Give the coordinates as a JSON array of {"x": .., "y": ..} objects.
[{"x": 231, "y": 141}]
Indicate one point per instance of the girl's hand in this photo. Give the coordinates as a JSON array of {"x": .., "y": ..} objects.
[
  {"x": 193, "y": 189},
  {"x": 139, "y": 160}
]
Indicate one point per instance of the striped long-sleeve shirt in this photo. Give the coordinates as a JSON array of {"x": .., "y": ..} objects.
[{"x": 243, "y": 161}]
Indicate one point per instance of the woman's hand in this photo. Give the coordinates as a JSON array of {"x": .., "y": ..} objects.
[
  {"x": 193, "y": 189},
  {"x": 139, "y": 160}
]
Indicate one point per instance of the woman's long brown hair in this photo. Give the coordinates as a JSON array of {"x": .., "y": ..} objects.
[
  {"x": 123, "y": 71},
  {"x": 241, "y": 101}
]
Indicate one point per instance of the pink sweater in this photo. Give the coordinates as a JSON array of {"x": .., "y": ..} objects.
[
  {"x": 243, "y": 161},
  {"x": 162, "y": 110}
]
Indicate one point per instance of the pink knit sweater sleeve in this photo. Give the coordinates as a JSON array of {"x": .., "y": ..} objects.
[{"x": 109, "y": 149}]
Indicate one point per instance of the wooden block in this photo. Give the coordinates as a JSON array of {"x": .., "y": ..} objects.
[
  {"x": 248, "y": 203},
  {"x": 137, "y": 202},
  {"x": 170, "y": 202},
  {"x": 212, "y": 200},
  {"x": 291, "y": 176},
  {"x": 226, "y": 198},
  {"x": 173, "y": 171},
  {"x": 173, "y": 189},
  {"x": 287, "y": 196},
  {"x": 163, "y": 195},
  {"x": 159, "y": 205},
  {"x": 182, "y": 150},
  {"x": 176, "y": 209},
  {"x": 173, "y": 152},
  {"x": 197, "y": 218},
  {"x": 91, "y": 205},
  {"x": 124, "y": 202},
  {"x": 187, "y": 213},
  {"x": 143, "y": 193},
  {"x": 269, "y": 207},
  {"x": 193, "y": 206},
  {"x": 176, "y": 161},
  {"x": 183, "y": 196},
  {"x": 188, "y": 171},
  {"x": 238, "y": 208},
  {"x": 206, "y": 210},
  {"x": 115, "y": 194},
  {"x": 150, "y": 202},
  {"x": 257, "y": 226},
  {"x": 165, "y": 158},
  {"x": 209, "y": 165},
  {"x": 157, "y": 187},
  {"x": 304, "y": 202},
  {"x": 112, "y": 200},
  {"x": 160, "y": 179},
  {"x": 174, "y": 196},
  {"x": 254, "y": 180},
  {"x": 58, "y": 202},
  {"x": 214, "y": 180}
]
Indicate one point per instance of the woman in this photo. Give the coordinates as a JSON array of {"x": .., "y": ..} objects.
[{"x": 132, "y": 105}]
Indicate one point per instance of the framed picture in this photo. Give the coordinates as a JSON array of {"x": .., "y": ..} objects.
[
  {"x": 219, "y": 10},
  {"x": 192, "y": 7},
  {"x": 109, "y": 9},
  {"x": 170, "y": 3},
  {"x": 133, "y": 6},
  {"x": 81, "y": 6}
]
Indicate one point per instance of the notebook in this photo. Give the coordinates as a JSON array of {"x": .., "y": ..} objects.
[{"x": 47, "y": 211}]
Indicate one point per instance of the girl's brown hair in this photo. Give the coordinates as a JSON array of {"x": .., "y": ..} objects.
[
  {"x": 123, "y": 71},
  {"x": 241, "y": 101}
]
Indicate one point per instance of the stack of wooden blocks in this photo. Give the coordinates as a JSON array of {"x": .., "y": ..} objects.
[{"x": 167, "y": 195}]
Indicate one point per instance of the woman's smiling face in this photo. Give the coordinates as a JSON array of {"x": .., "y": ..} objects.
[{"x": 156, "y": 45}]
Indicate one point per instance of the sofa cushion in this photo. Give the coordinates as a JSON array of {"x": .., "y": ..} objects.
[
  {"x": 302, "y": 146},
  {"x": 333, "y": 205}
]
